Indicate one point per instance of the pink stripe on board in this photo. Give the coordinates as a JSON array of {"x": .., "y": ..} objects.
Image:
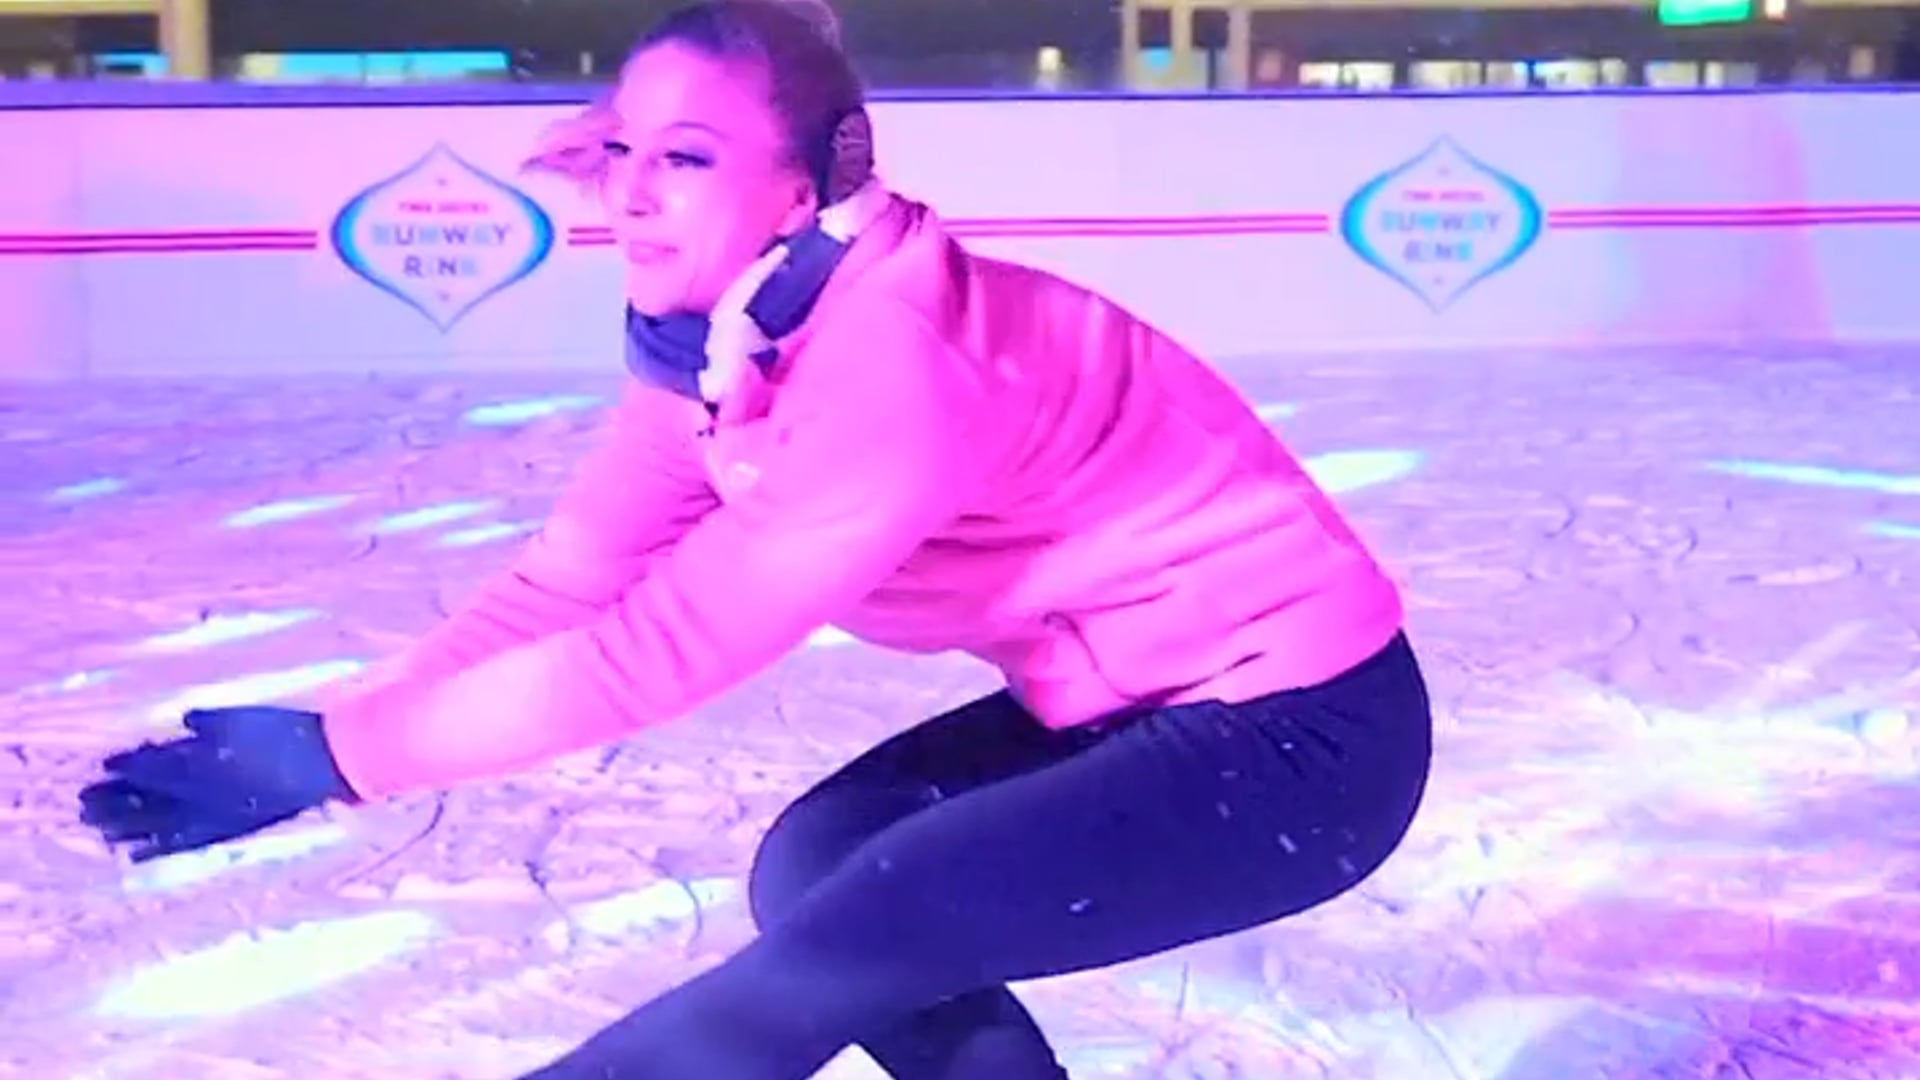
[
  {"x": 1733, "y": 216},
  {"x": 152, "y": 245},
  {"x": 209, "y": 241},
  {"x": 1209, "y": 225},
  {"x": 1088, "y": 227},
  {"x": 172, "y": 234},
  {"x": 1832, "y": 210}
]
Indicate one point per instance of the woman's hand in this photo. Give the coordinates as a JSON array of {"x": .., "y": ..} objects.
[
  {"x": 575, "y": 147},
  {"x": 239, "y": 771}
]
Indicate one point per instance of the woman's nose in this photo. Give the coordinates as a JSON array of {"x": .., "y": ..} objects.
[{"x": 633, "y": 191}]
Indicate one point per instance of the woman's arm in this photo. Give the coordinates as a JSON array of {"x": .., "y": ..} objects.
[
  {"x": 629, "y": 501},
  {"x": 871, "y": 451}
]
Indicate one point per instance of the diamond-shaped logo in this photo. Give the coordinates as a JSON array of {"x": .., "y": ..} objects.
[
  {"x": 1441, "y": 223},
  {"x": 442, "y": 236}
]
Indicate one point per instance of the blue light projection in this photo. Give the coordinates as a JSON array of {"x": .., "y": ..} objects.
[
  {"x": 251, "y": 969},
  {"x": 83, "y": 490},
  {"x": 656, "y": 907},
  {"x": 830, "y": 637},
  {"x": 199, "y": 867},
  {"x": 427, "y": 517},
  {"x": 73, "y": 683},
  {"x": 514, "y": 413},
  {"x": 1343, "y": 471},
  {"x": 1821, "y": 476},
  {"x": 222, "y": 629},
  {"x": 282, "y": 510},
  {"x": 488, "y": 534},
  {"x": 260, "y": 688}
]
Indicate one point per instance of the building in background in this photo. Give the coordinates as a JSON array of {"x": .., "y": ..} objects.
[
  {"x": 1017, "y": 46},
  {"x": 929, "y": 44},
  {"x": 49, "y": 38},
  {"x": 1440, "y": 45}
]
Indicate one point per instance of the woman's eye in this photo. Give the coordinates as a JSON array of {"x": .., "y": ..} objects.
[
  {"x": 685, "y": 159},
  {"x": 615, "y": 148}
]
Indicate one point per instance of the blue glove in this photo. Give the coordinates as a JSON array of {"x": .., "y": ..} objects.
[{"x": 241, "y": 770}]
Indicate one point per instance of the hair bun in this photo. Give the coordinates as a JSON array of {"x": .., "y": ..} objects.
[{"x": 818, "y": 13}]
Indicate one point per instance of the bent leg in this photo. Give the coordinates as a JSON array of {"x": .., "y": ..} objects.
[
  {"x": 977, "y": 744},
  {"x": 1189, "y": 823}
]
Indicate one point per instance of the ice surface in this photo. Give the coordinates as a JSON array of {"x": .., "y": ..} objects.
[{"x": 1668, "y": 604}]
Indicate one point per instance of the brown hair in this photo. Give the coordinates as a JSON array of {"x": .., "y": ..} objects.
[{"x": 812, "y": 86}]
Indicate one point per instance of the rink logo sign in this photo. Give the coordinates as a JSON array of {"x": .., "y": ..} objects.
[
  {"x": 1441, "y": 223},
  {"x": 442, "y": 236}
]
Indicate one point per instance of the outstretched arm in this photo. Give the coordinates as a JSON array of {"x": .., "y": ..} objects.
[
  {"x": 869, "y": 453},
  {"x": 629, "y": 501}
]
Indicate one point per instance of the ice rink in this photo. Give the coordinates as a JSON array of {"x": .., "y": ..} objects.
[{"x": 1669, "y": 605}]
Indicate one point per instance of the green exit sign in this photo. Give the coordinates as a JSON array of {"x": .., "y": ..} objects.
[{"x": 1704, "y": 12}]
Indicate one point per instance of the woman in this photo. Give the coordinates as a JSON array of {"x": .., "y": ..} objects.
[{"x": 1211, "y": 720}]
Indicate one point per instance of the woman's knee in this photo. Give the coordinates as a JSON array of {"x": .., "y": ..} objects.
[{"x": 815, "y": 835}]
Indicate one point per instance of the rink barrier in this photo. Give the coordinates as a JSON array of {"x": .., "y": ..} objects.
[{"x": 170, "y": 230}]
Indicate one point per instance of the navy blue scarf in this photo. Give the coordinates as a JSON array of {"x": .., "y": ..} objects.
[{"x": 670, "y": 351}]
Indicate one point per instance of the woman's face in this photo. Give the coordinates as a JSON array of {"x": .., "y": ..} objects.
[{"x": 700, "y": 181}]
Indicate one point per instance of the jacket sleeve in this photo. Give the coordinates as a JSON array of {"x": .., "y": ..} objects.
[
  {"x": 630, "y": 500},
  {"x": 868, "y": 453}
]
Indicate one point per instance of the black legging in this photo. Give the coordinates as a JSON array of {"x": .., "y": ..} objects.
[{"x": 899, "y": 897}]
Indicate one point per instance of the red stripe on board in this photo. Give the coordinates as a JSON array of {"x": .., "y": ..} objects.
[
  {"x": 603, "y": 239},
  {"x": 1823, "y": 212},
  {"x": 1211, "y": 225},
  {"x": 1729, "y": 222},
  {"x": 206, "y": 241},
  {"x": 1748, "y": 217},
  {"x": 1104, "y": 226},
  {"x": 154, "y": 246},
  {"x": 144, "y": 235}
]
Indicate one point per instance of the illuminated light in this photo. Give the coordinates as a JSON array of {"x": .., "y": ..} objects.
[
  {"x": 69, "y": 684},
  {"x": 487, "y": 534},
  {"x": 195, "y": 867},
  {"x": 1822, "y": 476},
  {"x": 1703, "y": 12},
  {"x": 257, "y": 689},
  {"x": 1493, "y": 1035},
  {"x": 1880, "y": 726},
  {"x": 510, "y": 413},
  {"x": 357, "y": 67},
  {"x": 248, "y": 970},
  {"x": 285, "y": 510},
  {"x": 830, "y": 637},
  {"x": 220, "y": 629},
  {"x": 653, "y": 908},
  {"x": 1883, "y": 727},
  {"x": 1113, "y": 1057},
  {"x": 1893, "y": 530},
  {"x": 1775, "y": 10},
  {"x": 1294, "y": 1037},
  {"x": 1050, "y": 60},
  {"x": 87, "y": 489},
  {"x": 1351, "y": 470},
  {"x": 1279, "y": 410},
  {"x": 428, "y": 516},
  {"x": 80, "y": 680},
  {"x": 260, "y": 67}
]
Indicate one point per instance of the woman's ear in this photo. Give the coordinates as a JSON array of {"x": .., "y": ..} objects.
[{"x": 805, "y": 209}]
